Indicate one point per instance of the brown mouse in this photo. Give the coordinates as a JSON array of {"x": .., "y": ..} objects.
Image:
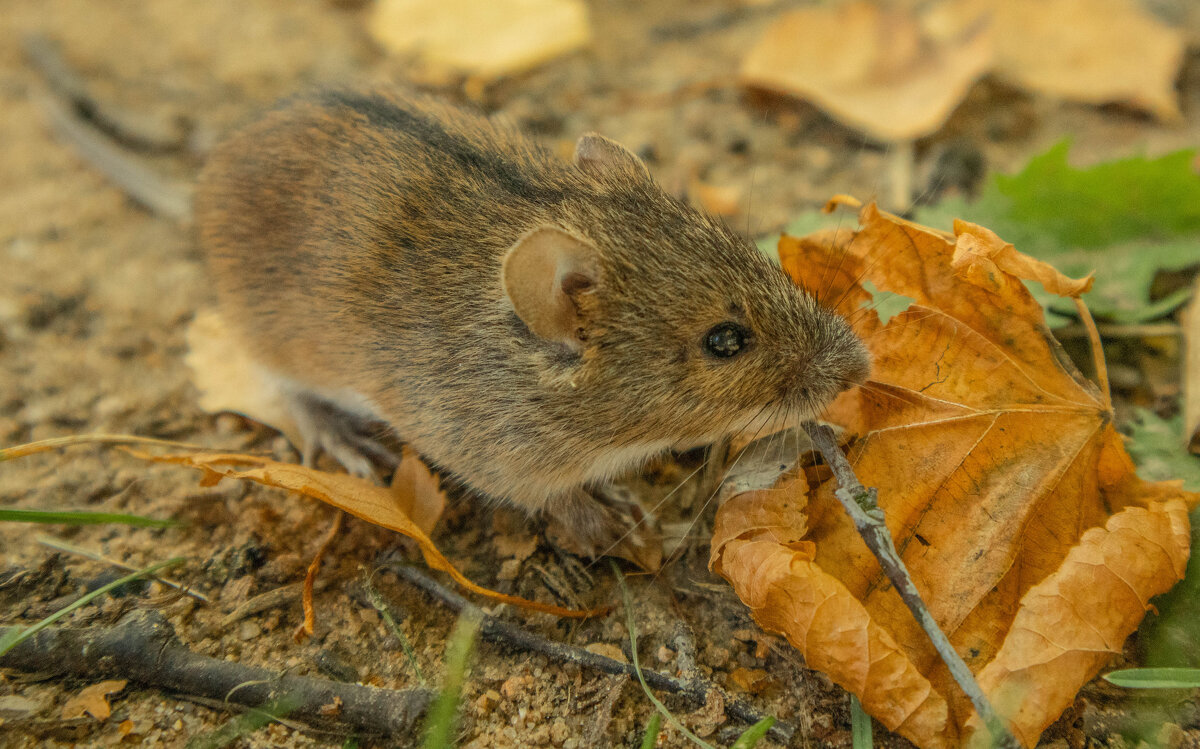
[{"x": 535, "y": 328}]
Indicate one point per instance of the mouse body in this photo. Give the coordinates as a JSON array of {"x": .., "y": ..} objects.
[{"x": 534, "y": 327}]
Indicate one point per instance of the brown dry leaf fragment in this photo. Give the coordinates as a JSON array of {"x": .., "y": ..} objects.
[
  {"x": 417, "y": 492},
  {"x": 750, "y": 680},
  {"x": 1090, "y": 51},
  {"x": 1071, "y": 623},
  {"x": 483, "y": 38},
  {"x": 870, "y": 65},
  {"x": 992, "y": 456},
  {"x": 93, "y": 700},
  {"x": 359, "y": 497}
]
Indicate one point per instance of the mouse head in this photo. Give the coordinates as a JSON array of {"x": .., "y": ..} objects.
[{"x": 676, "y": 328}]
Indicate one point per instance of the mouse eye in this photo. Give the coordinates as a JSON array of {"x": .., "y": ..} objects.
[{"x": 726, "y": 340}]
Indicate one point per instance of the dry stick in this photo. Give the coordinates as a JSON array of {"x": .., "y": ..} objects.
[
  {"x": 143, "y": 648},
  {"x": 861, "y": 506},
  {"x": 69, "y": 548},
  {"x": 498, "y": 630}
]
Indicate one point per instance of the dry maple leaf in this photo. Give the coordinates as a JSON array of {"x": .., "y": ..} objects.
[{"x": 1005, "y": 485}]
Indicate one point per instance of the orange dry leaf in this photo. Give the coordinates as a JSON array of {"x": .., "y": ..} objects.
[
  {"x": 993, "y": 458},
  {"x": 359, "y": 497},
  {"x": 93, "y": 700},
  {"x": 417, "y": 492}
]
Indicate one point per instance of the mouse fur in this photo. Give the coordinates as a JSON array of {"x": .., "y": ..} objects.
[{"x": 533, "y": 326}]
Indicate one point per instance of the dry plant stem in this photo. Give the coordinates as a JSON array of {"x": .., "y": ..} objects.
[
  {"x": 310, "y": 615},
  {"x": 497, "y": 630},
  {"x": 1120, "y": 330},
  {"x": 1085, "y": 316},
  {"x": 143, "y": 648},
  {"x": 861, "y": 505},
  {"x": 61, "y": 545}
]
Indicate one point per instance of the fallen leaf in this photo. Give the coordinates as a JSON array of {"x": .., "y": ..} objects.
[
  {"x": 93, "y": 700},
  {"x": 869, "y": 65},
  {"x": 993, "y": 458},
  {"x": 481, "y": 37},
  {"x": 749, "y": 680},
  {"x": 417, "y": 491},
  {"x": 359, "y": 497},
  {"x": 1068, "y": 49}
]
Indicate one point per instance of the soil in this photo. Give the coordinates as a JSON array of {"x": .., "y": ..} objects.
[{"x": 96, "y": 295}]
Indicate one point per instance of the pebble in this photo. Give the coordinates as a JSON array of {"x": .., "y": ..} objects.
[
  {"x": 248, "y": 630},
  {"x": 559, "y": 732}
]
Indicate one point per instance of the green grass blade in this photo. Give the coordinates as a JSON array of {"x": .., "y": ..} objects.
[
  {"x": 652, "y": 730},
  {"x": 80, "y": 517},
  {"x": 753, "y": 734},
  {"x": 637, "y": 667},
  {"x": 16, "y": 637},
  {"x": 1155, "y": 678},
  {"x": 860, "y": 726},
  {"x": 440, "y": 720},
  {"x": 385, "y": 611}
]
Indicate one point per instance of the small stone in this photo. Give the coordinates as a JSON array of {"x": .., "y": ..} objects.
[
  {"x": 515, "y": 686},
  {"x": 571, "y": 743},
  {"x": 510, "y": 569},
  {"x": 559, "y": 732},
  {"x": 486, "y": 702},
  {"x": 177, "y": 725},
  {"x": 664, "y": 654},
  {"x": 716, "y": 656},
  {"x": 248, "y": 630},
  {"x": 15, "y": 707}
]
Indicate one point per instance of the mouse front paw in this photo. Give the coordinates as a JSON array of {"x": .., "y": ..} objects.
[
  {"x": 359, "y": 444},
  {"x": 605, "y": 521}
]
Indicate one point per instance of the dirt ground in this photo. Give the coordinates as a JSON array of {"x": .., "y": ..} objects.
[{"x": 96, "y": 294}]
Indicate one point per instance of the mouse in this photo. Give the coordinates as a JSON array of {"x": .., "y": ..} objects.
[{"x": 535, "y": 327}]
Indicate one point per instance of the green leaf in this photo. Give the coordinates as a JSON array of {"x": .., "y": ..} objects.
[
  {"x": 443, "y": 713},
  {"x": 1155, "y": 678},
  {"x": 1127, "y": 220},
  {"x": 887, "y": 304},
  {"x": 1170, "y": 636},
  {"x": 80, "y": 517},
  {"x": 1156, "y": 445},
  {"x": 861, "y": 730}
]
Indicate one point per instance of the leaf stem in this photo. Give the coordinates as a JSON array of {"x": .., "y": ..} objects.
[{"x": 1089, "y": 324}]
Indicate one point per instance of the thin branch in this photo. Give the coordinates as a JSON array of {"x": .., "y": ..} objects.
[
  {"x": 497, "y": 630},
  {"x": 143, "y": 648},
  {"x": 861, "y": 505}
]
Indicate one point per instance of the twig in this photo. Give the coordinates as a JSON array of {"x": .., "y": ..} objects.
[
  {"x": 861, "y": 505},
  {"x": 497, "y": 630},
  {"x": 272, "y": 598},
  {"x": 1120, "y": 330},
  {"x": 60, "y": 545},
  {"x": 144, "y": 648}
]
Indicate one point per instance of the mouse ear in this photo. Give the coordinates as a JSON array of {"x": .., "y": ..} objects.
[
  {"x": 594, "y": 152},
  {"x": 545, "y": 273}
]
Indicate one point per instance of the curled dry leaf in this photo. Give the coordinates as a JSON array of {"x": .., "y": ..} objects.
[
  {"x": 93, "y": 700},
  {"x": 993, "y": 457},
  {"x": 417, "y": 491},
  {"x": 359, "y": 497},
  {"x": 870, "y": 65}
]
